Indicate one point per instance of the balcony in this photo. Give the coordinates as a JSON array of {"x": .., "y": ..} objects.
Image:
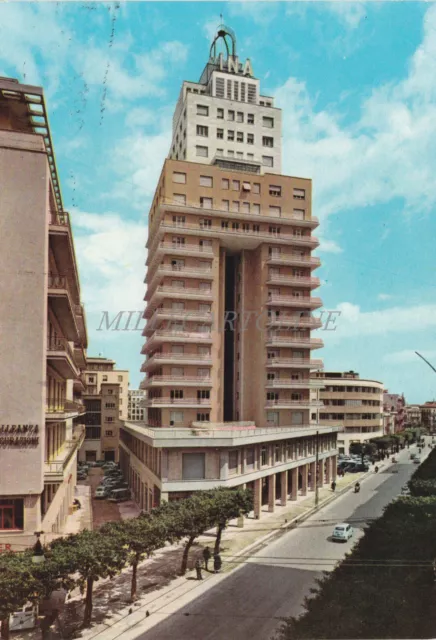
[
  {"x": 176, "y": 293},
  {"x": 305, "y": 302},
  {"x": 188, "y": 403},
  {"x": 294, "y": 363},
  {"x": 168, "y": 270},
  {"x": 235, "y": 238},
  {"x": 61, "y": 243},
  {"x": 159, "y": 337},
  {"x": 185, "y": 315},
  {"x": 289, "y": 404},
  {"x": 81, "y": 323},
  {"x": 61, "y": 300},
  {"x": 294, "y": 321},
  {"x": 158, "y": 359},
  {"x": 177, "y": 381},
  {"x": 288, "y": 383},
  {"x": 287, "y": 217},
  {"x": 58, "y": 410},
  {"x": 290, "y": 341},
  {"x": 60, "y": 356},
  {"x": 294, "y": 260},
  {"x": 54, "y": 469},
  {"x": 192, "y": 250},
  {"x": 297, "y": 281}
]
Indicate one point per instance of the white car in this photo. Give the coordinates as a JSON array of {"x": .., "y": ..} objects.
[{"x": 342, "y": 532}]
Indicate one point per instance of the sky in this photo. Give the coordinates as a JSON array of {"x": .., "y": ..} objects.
[{"x": 357, "y": 85}]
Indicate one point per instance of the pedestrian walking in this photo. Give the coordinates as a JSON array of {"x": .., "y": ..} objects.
[
  {"x": 206, "y": 557},
  {"x": 333, "y": 485},
  {"x": 217, "y": 563},
  {"x": 198, "y": 570}
]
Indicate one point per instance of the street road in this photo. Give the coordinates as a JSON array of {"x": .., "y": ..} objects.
[{"x": 272, "y": 584}]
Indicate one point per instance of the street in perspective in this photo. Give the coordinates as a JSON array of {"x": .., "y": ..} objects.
[{"x": 217, "y": 356}]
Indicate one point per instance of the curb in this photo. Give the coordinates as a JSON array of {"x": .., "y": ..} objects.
[{"x": 292, "y": 524}]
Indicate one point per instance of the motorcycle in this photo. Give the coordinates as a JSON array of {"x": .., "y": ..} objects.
[
  {"x": 394, "y": 459},
  {"x": 356, "y": 488},
  {"x": 376, "y": 469}
]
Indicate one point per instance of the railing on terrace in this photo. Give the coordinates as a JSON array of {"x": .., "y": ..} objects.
[
  {"x": 178, "y": 401},
  {"x": 297, "y": 301},
  {"x": 59, "y": 219},
  {"x": 60, "y": 344},
  {"x": 295, "y": 259},
  {"x": 178, "y": 379},
  {"x": 305, "y": 280},
  {"x": 286, "y": 339}
]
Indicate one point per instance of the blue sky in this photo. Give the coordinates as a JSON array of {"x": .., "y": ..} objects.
[{"x": 357, "y": 84}]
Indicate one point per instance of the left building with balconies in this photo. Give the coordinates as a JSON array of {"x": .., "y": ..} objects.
[{"x": 42, "y": 319}]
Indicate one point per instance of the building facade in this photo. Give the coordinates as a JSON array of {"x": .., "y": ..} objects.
[
  {"x": 229, "y": 281},
  {"x": 44, "y": 337},
  {"x": 412, "y": 415},
  {"x": 395, "y": 404},
  {"x": 136, "y": 411},
  {"x": 106, "y": 400},
  {"x": 428, "y": 415},
  {"x": 355, "y": 404}
]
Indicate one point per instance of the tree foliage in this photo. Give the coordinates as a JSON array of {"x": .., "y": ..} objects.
[{"x": 17, "y": 586}]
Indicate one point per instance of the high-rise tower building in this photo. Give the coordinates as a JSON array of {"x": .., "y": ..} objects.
[{"x": 229, "y": 280}]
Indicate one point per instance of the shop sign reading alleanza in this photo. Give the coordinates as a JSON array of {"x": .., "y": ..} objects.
[{"x": 19, "y": 435}]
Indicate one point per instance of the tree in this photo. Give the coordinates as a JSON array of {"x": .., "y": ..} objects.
[
  {"x": 17, "y": 586},
  {"x": 141, "y": 537},
  {"x": 187, "y": 518},
  {"x": 94, "y": 556},
  {"x": 228, "y": 504},
  {"x": 363, "y": 449}
]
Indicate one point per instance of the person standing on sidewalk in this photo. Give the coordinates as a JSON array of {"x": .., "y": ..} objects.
[
  {"x": 198, "y": 569},
  {"x": 206, "y": 557},
  {"x": 333, "y": 485}
]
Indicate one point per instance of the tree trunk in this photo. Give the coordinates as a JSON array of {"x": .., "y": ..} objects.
[
  {"x": 88, "y": 603},
  {"x": 134, "y": 580},
  {"x": 219, "y": 532},
  {"x": 5, "y": 628},
  {"x": 185, "y": 555}
]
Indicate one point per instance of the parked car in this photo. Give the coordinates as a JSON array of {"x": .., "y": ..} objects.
[
  {"x": 416, "y": 460},
  {"x": 119, "y": 495},
  {"x": 342, "y": 532},
  {"x": 82, "y": 475},
  {"x": 102, "y": 492},
  {"x": 412, "y": 456}
]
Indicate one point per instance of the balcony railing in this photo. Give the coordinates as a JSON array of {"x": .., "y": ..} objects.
[
  {"x": 280, "y": 382},
  {"x": 185, "y": 248},
  {"x": 295, "y": 301},
  {"x": 289, "y": 403},
  {"x": 294, "y": 321},
  {"x": 74, "y": 405},
  {"x": 150, "y": 402},
  {"x": 61, "y": 344},
  {"x": 295, "y": 362},
  {"x": 186, "y": 314},
  {"x": 59, "y": 219},
  {"x": 309, "y": 240},
  {"x": 56, "y": 467},
  {"x": 182, "y": 336},
  {"x": 170, "y": 270},
  {"x": 294, "y": 280},
  {"x": 177, "y": 380},
  {"x": 56, "y": 281},
  {"x": 171, "y": 291},
  {"x": 295, "y": 260},
  {"x": 314, "y": 343}
]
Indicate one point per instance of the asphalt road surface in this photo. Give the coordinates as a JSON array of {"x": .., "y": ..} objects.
[{"x": 272, "y": 584}]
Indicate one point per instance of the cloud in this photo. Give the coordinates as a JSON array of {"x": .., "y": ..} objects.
[
  {"x": 353, "y": 322},
  {"x": 260, "y": 12},
  {"x": 387, "y": 153},
  {"x": 384, "y": 296},
  {"x": 111, "y": 258},
  {"x": 328, "y": 246},
  {"x": 349, "y": 13}
]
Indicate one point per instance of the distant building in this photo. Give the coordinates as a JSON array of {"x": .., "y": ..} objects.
[
  {"x": 428, "y": 415},
  {"x": 353, "y": 404},
  {"x": 136, "y": 412},
  {"x": 106, "y": 402},
  {"x": 394, "y": 403},
  {"x": 413, "y": 415}
]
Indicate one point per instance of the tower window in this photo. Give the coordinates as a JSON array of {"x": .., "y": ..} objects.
[
  {"x": 267, "y": 141},
  {"x": 202, "y": 151},
  {"x": 202, "y": 110},
  {"x": 202, "y": 131}
]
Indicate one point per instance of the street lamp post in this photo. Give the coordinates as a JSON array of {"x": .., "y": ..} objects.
[{"x": 38, "y": 550}]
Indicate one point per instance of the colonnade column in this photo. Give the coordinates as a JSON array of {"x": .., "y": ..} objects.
[
  {"x": 312, "y": 476},
  {"x": 294, "y": 488},
  {"x": 304, "y": 472},
  {"x": 321, "y": 470},
  {"x": 328, "y": 471},
  {"x": 283, "y": 488},
  {"x": 271, "y": 492},
  {"x": 334, "y": 463},
  {"x": 257, "y": 498}
]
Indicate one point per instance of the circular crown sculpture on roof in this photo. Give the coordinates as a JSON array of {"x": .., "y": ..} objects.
[{"x": 228, "y": 37}]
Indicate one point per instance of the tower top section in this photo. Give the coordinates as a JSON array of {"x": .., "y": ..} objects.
[
  {"x": 223, "y": 56},
  {"x": 228, "y": 37}
]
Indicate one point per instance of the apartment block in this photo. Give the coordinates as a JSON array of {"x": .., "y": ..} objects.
[
  {"x": 229, "y": 301},
  {"x": 352, "y": 403},
  {"x": 413, "y": 416},
  {"x": 395, "y": 404},
  {"x": 106, "y": 401},
  {"x": 44, "y": 336},
  {"x": 136, "y": 411}
]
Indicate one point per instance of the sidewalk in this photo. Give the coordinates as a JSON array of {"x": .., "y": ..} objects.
[{"x": 158, "y": 582}]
